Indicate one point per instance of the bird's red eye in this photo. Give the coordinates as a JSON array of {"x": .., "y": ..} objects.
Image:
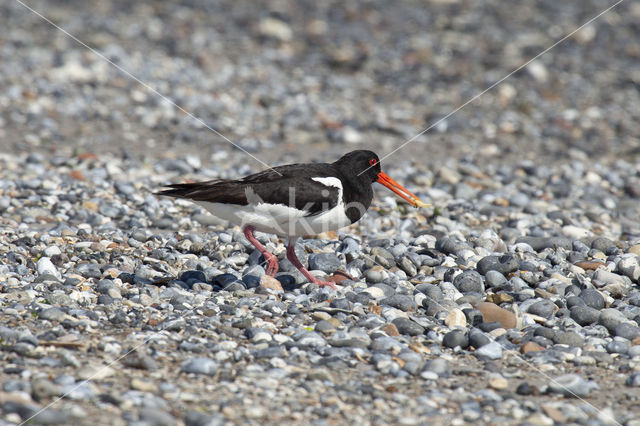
[{"x": 372, "y": 162}]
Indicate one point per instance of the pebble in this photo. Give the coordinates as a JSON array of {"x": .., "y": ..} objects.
[
  {"x": 572, "y": 386},
  {"x": 456, "y": 338},
  {"x": 611, "y": 318},
  {"x": 584, "y": 315},
  {"x": 592, "y": 298},
  {"x": 469, "y": 282},
  {"x": 326, "y": 262},
  {"x": 498, "y": 382},
  {"x": 455, "y": 318},
  {"x": 201, "y": 365},
  {"x": 494, "y": 313},
  {"x": 490, "y": 351},
  {"x": 408, "y": 327},
  {"x": 44, "y": 266},
  {"x": 438, "y": 366}
]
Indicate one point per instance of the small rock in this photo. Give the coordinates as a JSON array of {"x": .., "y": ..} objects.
[
  {"x": 326, "y": 262},
  {"x": 408, "y": 327},
  {"x": 611, "y": 318},
  {"x": 201, "y": 365},
  {"x": 469, "y": 282},
  {"x": 438, "y": 366},
  {"x": 592, "y": 298},
  {"x": 456, "y": 338},
  {"x": 489, "y": 351},
  {"x": 544, "y": 308},
  {"x": 573, "y": 386},
  {"x": 498, "y": 382},
  {"x": 494, "y": 313},
  {"x": 46, "y": 267},
  {"x": 268, "y": 282},
  {"x": 626, "y": 330},
  {"x": 584, "y": 315},
  {"x": 455, "y": 318},
  {"x": 633, "y": 380},
  {"x": 530, "y": 347}
]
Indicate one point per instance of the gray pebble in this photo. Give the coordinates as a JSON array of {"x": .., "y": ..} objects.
[
  {"x": 584, "y": 315},
  {"x": 469, "y": 282},
  {"x": 201, "y": 365},
  {"x": 399, "y": 301},
  {"x": 408, "y": 327},
  {"x": 438, "y": 366},
  {"x": 592, "y": 298},
  {"x": 489, "y": 351},
  {"x": 627, "y": 330},
  {"x": 572, "y": 386},
  {"x": 456, "y": 338},
  {"x": 326, "y": 262},
  {"x": 611, "y": 318}
]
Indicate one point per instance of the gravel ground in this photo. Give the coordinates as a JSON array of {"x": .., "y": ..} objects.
[{"x": 515, "y": 300}]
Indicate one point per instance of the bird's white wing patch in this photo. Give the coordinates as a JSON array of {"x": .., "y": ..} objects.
[{"x": 330, "y": 181}]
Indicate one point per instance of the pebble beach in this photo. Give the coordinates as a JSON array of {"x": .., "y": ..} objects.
[{"x": 515, "y": 299}]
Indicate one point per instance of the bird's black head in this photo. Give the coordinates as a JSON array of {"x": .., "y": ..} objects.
[{"x": 362, "y": 163}]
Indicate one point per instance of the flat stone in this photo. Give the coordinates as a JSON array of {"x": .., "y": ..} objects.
[
  {"x": 572, "y": 386},
  {"x": 271, "y": 283},
  {"x": 408, "y": 327},
  {"x": 530, "y": 347},
  {"x": 494, "y": 313},
  {"x": 490, "y": 351},
  {"x": 200, "y": 365}
]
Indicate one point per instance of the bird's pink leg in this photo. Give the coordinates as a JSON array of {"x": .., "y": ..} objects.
[
  {"x": 291, "y": 255},
  {"x": 272, "y": 260}
]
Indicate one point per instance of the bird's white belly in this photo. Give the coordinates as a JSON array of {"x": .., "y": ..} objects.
[{"x": 279, "y": 219}]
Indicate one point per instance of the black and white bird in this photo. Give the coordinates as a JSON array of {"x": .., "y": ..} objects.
[{"x": 295, "y": 200}]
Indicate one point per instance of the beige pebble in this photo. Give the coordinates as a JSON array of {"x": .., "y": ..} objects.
[{"x": 456, "y": 318}]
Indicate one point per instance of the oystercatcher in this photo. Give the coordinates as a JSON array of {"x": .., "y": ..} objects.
[{"x": 295, "y": 200}]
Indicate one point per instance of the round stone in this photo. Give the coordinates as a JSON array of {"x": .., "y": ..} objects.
[
  {"x": 469, "y": 282},
  {"x": 200, "y": 365},
  {"x": 584, "y": 315},
  {"x": 477, "y": 338},
  {"x": 592, "y": 298},
  {"x": 494, "y": 279},
  {"x": 438, "y": 366},
  {"x": 456, "y": 338},
  {"x": 325, "y": 262},
  {"x": 544, "y": 308},
  {"x": 627, "y": 330}
]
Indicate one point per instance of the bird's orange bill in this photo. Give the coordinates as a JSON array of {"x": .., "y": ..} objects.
[{"x": 385, "y": 180}]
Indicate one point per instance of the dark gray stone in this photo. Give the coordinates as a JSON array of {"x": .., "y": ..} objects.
[
  {"x": 325, "y": 262},
  {"x": 399, "y": 301},
  {"x": 584, "y": 315},
  {"x": 469, "y": 282},
  {"x": 592, "y": 298},
  {"x": 544, "y": 308},
  {"x": 456, "y": 338},
  {"x": 408, "y": 327}
]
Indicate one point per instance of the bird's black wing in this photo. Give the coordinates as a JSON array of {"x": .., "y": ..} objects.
[{"x": 290, "y": 185}]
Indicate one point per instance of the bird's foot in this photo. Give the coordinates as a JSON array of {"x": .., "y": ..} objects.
[
  {"x": 321, "y": 283},
  {"x": 272, "y": 264}
]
